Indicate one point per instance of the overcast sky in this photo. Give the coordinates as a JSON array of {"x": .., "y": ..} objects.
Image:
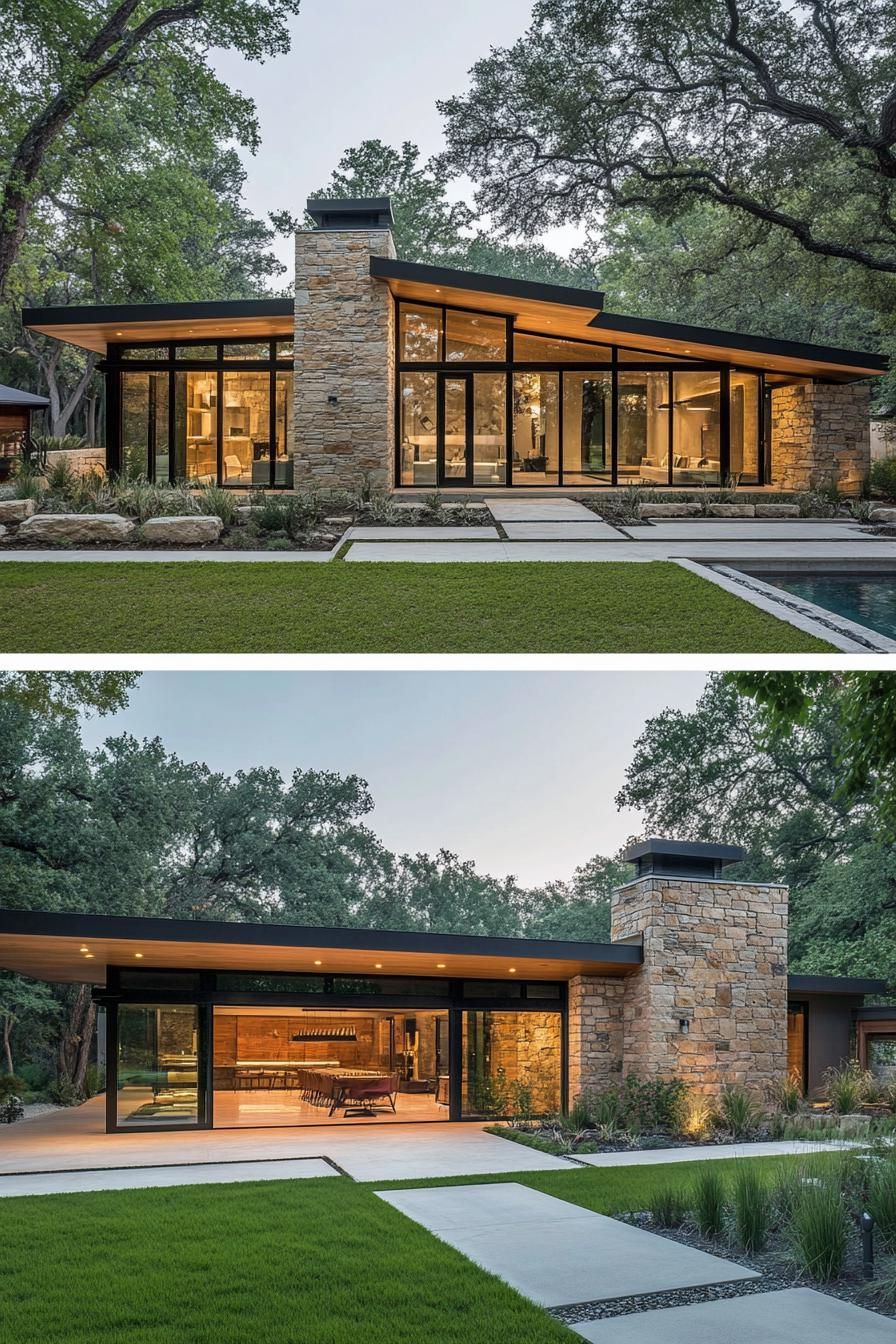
[
  {"x": 359, "y": 71},
  {"x": 517, "y": 770}
]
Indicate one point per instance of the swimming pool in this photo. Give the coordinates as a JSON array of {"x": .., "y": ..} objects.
[{"x": 869, "y": 599}]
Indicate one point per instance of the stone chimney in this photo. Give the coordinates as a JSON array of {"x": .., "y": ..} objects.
[
  {"x": 344, "y": 347},
  {"x": 709, "y": 1003}
]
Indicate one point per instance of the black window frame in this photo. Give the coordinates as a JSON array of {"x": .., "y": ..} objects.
[{"x": 120, "y": 361}]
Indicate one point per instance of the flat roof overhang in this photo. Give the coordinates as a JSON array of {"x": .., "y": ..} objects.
[
  {"x": 855, "y": 985},
  {"x": 562, "y": 310},
  {"x": 95, "y": 327},
  {"x": 577, "y": 314},
  {"x": 47, "y": 946}
]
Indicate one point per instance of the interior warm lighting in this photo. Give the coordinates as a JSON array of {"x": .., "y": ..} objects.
[
  {"x": 513, "y": 970},
  {"x": 119, "y": 333},
  {"x": 88, "y": 956},
  {"x": 318, "y": 963},
  {"x": 83, "y": 948},
  {"x": 440, "y": 965},
  {"x": 139, "y": 956},
  {"x": 377, "y": 965}
]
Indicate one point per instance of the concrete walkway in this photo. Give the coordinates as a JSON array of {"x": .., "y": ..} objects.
[
  {"x": 145, "y": 1178},
  {"x": 857, "y": 547},
  {"x": 539, "y": 510},
  {"x": 792, "y": 1316},
  {"x": 554, "y": 1252},
  {"x": 651, "y": 1157}
]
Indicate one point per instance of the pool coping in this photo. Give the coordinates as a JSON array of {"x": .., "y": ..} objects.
[{"x": 847, "y": 636}]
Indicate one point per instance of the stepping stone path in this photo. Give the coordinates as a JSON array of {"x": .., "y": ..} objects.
[
  {"x": 593, "y": 530},
  {"x": 792, "y": 1316},
  {"x": 539, "y": 511},
  {"x": 554, "y": 1252}
]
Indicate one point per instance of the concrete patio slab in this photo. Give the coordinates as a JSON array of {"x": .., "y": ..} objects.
[
  {"x": 724, "y": 552},
  {"x": 573, "y": 530},
  {"x": 146, "y": 1178},
  {"x": 655, "y": 1156},
  {"x": 738, "y": 529},
  {"x": 432, "y": 534},
  {"x": 554, "y": 1252},
  {"x": 436, "y": 552},
  {"x": 75, "y": 1140},
  {"x": 537, "y": 510},
  {"x": 791, "y": 1316}
]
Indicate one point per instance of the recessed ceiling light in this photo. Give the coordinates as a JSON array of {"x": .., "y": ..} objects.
[
  {"x": 119, "y": 333},
  {"x": 88, "y": 956},
  {"x": 513, "y": 970},
  {"x": 377, "y": 965},
  {"x": 139, "y": 956},
  {"x": 440, "y": 965},
  {"x": 318, "y": 963},
  {"x": 83, "y": 948}
]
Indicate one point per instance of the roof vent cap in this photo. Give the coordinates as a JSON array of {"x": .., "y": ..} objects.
[
  {"x": 681, "y": 858},
  {"x": 374, "y": 212}
]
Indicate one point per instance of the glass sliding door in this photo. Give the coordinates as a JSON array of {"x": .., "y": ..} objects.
[
  {"x": 144, "y": 425},
  {"x": 696, "y": 429},
  {"x": 158, "y": 1065},
  {"x": 536, "y": 429},
  {"x": 587, "y": 420},
  {"x": 489, "y": 429},
  {"x": 511, "y": 1063},
  {"x": 454, "y": 433}
]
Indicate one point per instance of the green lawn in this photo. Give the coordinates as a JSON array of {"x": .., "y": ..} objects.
[
  {"x": 369, "y": 608},
  {"x": 291, "y": 1262}
]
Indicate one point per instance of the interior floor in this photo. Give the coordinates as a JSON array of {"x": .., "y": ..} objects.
[{"x": 287, "y": 1107}]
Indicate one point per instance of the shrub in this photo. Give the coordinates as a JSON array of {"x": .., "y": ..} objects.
[
  {"x": 383, "y": 511},
  {"x": 668, "y": 1207},
  {"x": 28, "y": 484},
  {"x": 94, "y": 1080},
  {"x": 739, "y": 1113},
  {"x": 787, "y": 1095},
  {"x": 752, "y": 1208},
  {"x": 64, "y": 1093},
  {"x": 58, "y": 443},
  {"x": 61, "y": 476},
  {"x": 819, "y": 1231},
  {"x": 698, "y": 1119},
  {"x": 709, "y": 1201},
  {"x": 882, "y": 478},
  {"x": 881, "y": 1200},
  {"x": 218, "y": 502},
  {"x": 846, "y": 1088},
  {"x": 11, "y": 1086},
  {"x": 11, "y": 1110}
]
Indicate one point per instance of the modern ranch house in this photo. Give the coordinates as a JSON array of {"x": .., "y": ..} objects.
[
  {"x": 419, "y": 377},
  {"x": 222, "y": 1025}
]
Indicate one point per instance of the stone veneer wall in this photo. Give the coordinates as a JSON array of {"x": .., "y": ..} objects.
[
  {"x": 715, "y": 955},
  {"x": 527, "y": 1047},
  {"x": 344, "y": 348},
  {"x": 821, "y": 433},
  {"x": 595, "y": 1032}
]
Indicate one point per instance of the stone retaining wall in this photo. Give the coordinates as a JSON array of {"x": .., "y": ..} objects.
[
  {"x": 821, "y": 433},
  {"x": 344, "y": 360}
]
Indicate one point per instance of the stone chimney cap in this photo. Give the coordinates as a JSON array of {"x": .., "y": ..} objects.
[
  {"x": 682, "y": 858},
  {"x": 372, "y": 212}
]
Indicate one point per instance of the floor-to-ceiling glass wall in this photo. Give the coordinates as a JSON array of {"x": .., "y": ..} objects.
[
  {"x": 745, "y": 401},
  {"x": 696, "y": 428},
  {"x": 205, "y": 413},
  {"x": 643, "y": 428},
  {"x": 587, "y": 428},
  {"x": 511, "y": 1063},
  {"x": 536, "y": 428}
]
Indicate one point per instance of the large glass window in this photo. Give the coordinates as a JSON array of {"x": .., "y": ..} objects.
[
  {"x": 587, "y": 420},
  {"x": 144, "y": 424},
  {"x": 511, "y": 1063},
  {"x": 246, "y": 429},
  {"x": 529, "y": 349},
  {"x": 196, "y": 427},
  {"x": 418, "y": 428},
  {"x": 536, "y": 428},
  {"x": 796, "y": 1042},
  {"x": 696, "y": 429},
  {"x": 643, "y": 427},
  {"x": 489, "y": 429},
  {"x": 474, "y": 336},
  {"x": 744, "y": 454},
  {"x": 158, "y": 1078},
  {"x": 283, "y": 469},
  {"x": 419, "y": 334}
]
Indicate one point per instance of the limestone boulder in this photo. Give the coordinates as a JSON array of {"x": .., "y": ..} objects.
[
  {"x": 16, "y": 510},
  {"x": 192, "y": 529},
  {"x": 777, "y": 510},
  {"x": 878, "y": 515},
  {"x": 732, "y": 511},
  {"x": 81, "y": 528},
  {"x": 686, "y": 510}
]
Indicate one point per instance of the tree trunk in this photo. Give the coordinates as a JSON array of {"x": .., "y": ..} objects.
[
  {"x": 76, "y": 1041},
  {"x": 7, "y": 1044}
]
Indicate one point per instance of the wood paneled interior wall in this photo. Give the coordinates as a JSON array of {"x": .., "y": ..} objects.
[{"x": 270, "y": 1038}]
